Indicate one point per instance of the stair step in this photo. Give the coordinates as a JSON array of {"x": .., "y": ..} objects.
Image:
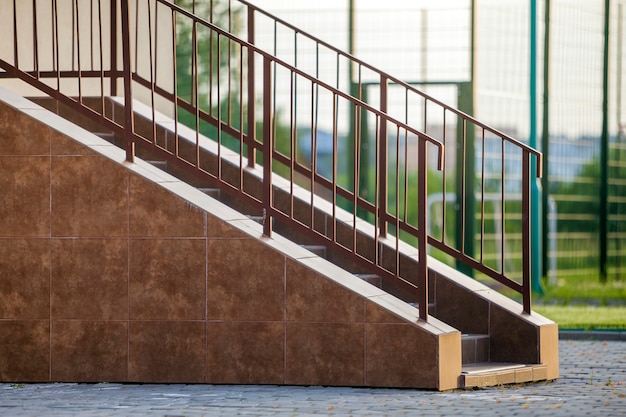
[
  {"x": 108, "y": 136},
  {"x": 489, "y": 374},
  {"x": 211, "y": 192},
  {"x": 259, "y": 219},
  {"x": 159, "y": 164},
  {"x": 319, "y": 250},
  {"x": 373, "y": 279},
  {"x": 475, "y": 348},
  {"x": 432, "y": 308},
  {"x": 479, "y": 368}
]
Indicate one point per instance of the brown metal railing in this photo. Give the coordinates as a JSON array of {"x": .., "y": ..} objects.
[
  {"x": 493, "y": 168},
  {"x": 182, "y": 65}
]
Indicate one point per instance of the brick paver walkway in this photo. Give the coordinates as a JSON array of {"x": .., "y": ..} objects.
[{"x": 592, "y": 383}]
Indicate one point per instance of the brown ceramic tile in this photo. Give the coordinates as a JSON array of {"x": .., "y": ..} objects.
[
  {"x": 325, "y": 354},
  {"x": 156, "y": 212},
  {"x": 25, "y": 351},
  {"x": 167, "y": 351},
  {"x": 246, "y": 352},
  {"x": 167, "y": 279},
  {"x": 468, "y": 347},
  {"x": 461, "y": 309},
  {"x": 251, "y": 183},
  {"x": 188, "y": 151},
  {"x": 89, "y": 197},
  {"x": 312, "y": 297},
  {"x": 511, "y": 338},
  {"x": 377, "y": 314},
  {"x": 25, "y": 279},
  {"x": 217, "y": 228},
  {"x": 230, "y": 173},
  {"x": 146, "y": 128},
  {"x": 246, "y": 281},
  {"x": 21, "y": 135},
  {"x": 89, "y": 351},
  {"x": 25, "y": 202},
  {"x": 62, "y": 145},
  {"x": 414, "y": 354},
  {"x": 71, "y": 114},
  {"x": 90, "y": 279},
  {"x": 482, "y": 350}
]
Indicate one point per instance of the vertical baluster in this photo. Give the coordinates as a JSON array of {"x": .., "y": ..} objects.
[
  {"x": 113, "y": 52},
  {"x": 251, "y": 137},
  {"x": 526, "y": 229},
  {"x": 35, "y": 41},
  {"x": 128, "y": 97},
  {"x": 422, "y": 235},
  {"x": 16, "y": 60},
  {"x": 268, "y": 145},
  {"x": 383, "y": 159}
]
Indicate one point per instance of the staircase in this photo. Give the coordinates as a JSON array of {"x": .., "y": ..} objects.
[{"x": 496, "y": 340}]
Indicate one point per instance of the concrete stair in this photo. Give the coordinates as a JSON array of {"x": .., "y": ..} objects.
[
  {"x": 479, "y": 366},
  {"x": 478, "y": 371}
]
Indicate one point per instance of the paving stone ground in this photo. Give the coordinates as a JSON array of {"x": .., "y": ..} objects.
[{"x": 592, "y": 383}]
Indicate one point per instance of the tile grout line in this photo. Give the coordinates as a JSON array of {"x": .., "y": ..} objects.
[
  {"x": 128, "y": 261},
  {"x": 284, "y": 319},
  {"x": 50, "y": 254}
]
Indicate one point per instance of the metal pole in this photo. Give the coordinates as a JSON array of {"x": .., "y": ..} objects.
[
  {"x": 360, "y": 183},
  {"x": 535, "y": 200},
  {"x": 545, "y": 136},
  {"x": 621, "y": 126},
  {"x": 465, "y": 159},
  {"x": 604, "y": 150}
]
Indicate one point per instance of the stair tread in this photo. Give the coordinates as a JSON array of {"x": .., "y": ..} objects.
[
  {"x": 474, "y": 335},
  {"x": 486, "y": 367}
]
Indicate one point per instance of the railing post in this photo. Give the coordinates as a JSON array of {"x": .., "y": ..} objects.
[
  {"x": 113, "y": 57},
  {"x": 128, "y": 97},
  {"x": 251, "y": 136},
  {"x": 422, "y": 229},
  {"x": 383, "y": 151},
  {"x": 268, "y": 146},
  {"x": 526, "y": 231}
]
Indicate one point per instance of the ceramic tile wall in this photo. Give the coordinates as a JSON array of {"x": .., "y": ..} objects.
[{"x": 106, "y": 276}]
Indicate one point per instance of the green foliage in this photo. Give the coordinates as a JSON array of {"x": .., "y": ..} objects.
[{"x": 207, "y": 63}]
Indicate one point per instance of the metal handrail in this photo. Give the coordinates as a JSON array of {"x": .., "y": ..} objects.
[
  {"x": 466, "y": 121},
  {"x": 388, "y": 130}
]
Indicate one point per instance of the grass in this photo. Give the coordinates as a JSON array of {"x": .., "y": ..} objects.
[
  {"x": 589, "y": 290},
  {"x": 583, "y": 317},
  {"x": 585, "y": 303}
]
